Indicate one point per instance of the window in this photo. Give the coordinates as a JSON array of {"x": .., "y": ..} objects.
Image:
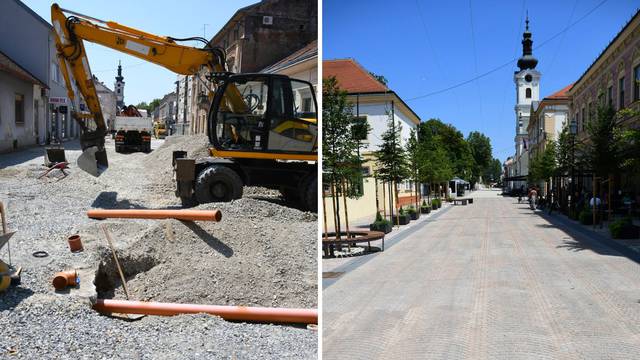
[
  {"x": 610, "y": 96},
  {"x": 621, "y": 93},
  {"x": 19, "y": 108},
  {"x": 360, "y": 128},
  {"x": 583, "y": 119},
  {"x": 528, "y": 93},
  {"x": 589, "y": 112},
  {"x": 636, "y": 83}
]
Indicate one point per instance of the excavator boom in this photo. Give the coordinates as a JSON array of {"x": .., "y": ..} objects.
[{"x": 72, "y": 30}]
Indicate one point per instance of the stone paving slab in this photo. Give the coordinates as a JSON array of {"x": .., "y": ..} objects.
[{"x": 487, "y": 281}]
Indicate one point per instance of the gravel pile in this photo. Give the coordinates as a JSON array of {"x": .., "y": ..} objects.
[
  {"x": 53, "y": 327},
  {"x": 259, "y": 249}
]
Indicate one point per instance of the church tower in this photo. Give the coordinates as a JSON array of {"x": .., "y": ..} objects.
[
  {"x": 119, "y": 87},
  {"x": 527, "y": 81}
]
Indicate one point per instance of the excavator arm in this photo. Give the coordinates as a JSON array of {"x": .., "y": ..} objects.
[{"x": 72, "y": 30}]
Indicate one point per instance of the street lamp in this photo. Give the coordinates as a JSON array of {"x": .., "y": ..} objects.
[{"x": 573, "y": 129}]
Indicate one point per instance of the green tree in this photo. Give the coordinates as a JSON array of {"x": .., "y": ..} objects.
[
  {"x": 339, "y": 163},
  {"x": 380, "y": 78},
  {"x": 142, "y": 106},
  {"x": 544, "y": 165},
  {"x": 391, "y": 157},
  {"x": 481, "y": 151},
  {"x": 493, "y": 171},
  {"x": 413, "y": 156},
  {"x": 154, "y": 104},
  {"x": 602, "y": 152}
]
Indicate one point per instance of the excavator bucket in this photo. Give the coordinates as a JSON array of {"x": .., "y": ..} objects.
[
  {"x": 93, "y": 160},
  {"x": 54, "y": 155}
]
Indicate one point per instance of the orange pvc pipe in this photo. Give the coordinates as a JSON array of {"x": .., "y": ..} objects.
[
  {"x": 188, "y": 215},
  {"x": 242, "y": 313}
]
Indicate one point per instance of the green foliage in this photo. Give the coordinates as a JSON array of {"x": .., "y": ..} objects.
[
  {"x": 480, "y": 146},
  {"x": 401, "y": 212},
  {"x": 380, "y": 220},
  {"x": 380, "y": 78},
  {"x": 142, "y": 106},
  {"x": 543, "y": 166},
  {"x": 617, "y": 227},
  {"x": 411, "y": 210},
  {"x": 154, "y": 104},
  {"x": 586, "y": 217},
  {"x": 602, "y": 152},
  {"x": 564, "y": 148},
  {"x": 424, "y": 203},
  {"x": 391, "y": 157},
  {"x": 493, "y": 170},
  {"x": 436, "y": 202}
]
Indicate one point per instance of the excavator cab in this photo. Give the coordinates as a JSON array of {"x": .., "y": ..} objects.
[{"x": 263, "y": 113}]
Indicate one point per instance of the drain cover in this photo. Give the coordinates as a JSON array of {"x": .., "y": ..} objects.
[{"x": 331, "y": 274}]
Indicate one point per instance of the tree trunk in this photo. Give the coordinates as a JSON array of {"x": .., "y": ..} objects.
[
  {"x": 346, "y": 213},
  {"x": 395, "y": 190},
  {"x": 324, "y": 209},
  {"x": 377, "y": 200},
  {"x": 336, "y": 208},
  {"x": 384, "y": 200}
]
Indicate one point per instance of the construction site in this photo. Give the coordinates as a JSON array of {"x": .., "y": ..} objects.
[{"x": 262, "y": 253}]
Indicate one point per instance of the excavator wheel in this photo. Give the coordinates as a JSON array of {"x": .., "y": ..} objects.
[
  {"x": 309, "y": 193},
  {"x": 218, "y": 183}
]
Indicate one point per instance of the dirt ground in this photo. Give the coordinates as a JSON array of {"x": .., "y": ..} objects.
[{"x": 262, "y": 253}]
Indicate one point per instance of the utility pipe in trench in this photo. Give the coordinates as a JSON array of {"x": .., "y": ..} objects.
[
  {"x": 187, "y": 215},
  {"x": 241, "y": 313}
]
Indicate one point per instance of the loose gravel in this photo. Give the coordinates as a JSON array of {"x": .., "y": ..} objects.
[{"x": 261, "y": 253}]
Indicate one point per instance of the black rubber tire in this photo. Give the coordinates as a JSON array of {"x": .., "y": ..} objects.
[
  {"x": 218, "y": 183},
  {"x": 290, "y": 195},
  {"x": 309, "y": 193}
]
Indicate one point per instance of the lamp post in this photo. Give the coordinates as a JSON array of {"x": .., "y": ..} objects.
[{"x": 573, "y": 129}]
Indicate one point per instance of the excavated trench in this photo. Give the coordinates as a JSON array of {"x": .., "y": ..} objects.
[{"x": 107, "y": 278}]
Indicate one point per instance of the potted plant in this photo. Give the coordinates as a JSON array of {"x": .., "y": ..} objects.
[
  {"x": 413, "y": 213},
  {"x": 402, "y": 219},
  {"x": 424, "y": 208},
  {"x": 436, "y": 204},
  {"x": 624, "y": 229},
  {"x": 381, "y": 224},
  {"x": 586, "y": 217}
]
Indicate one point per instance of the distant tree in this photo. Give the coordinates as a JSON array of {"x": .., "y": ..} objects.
[
  {"x": 602, "y": 153},
  {"x": 481, "y": 151},
  {"x": 493, "y": 171},
  {"x": 154, "y": 104},
  {"x": 142, "y": 106},
  {"x": 413, "y": 157},
  {"x": 380, "y": 78},
  {"x": 544, "y": 165}
]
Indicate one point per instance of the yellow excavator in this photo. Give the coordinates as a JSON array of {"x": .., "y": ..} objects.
[{"x": 262, "y": 128}]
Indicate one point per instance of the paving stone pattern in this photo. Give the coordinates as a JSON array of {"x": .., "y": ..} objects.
[{"x": 490, "y": 280}]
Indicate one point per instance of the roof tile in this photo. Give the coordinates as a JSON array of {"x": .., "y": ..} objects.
[{"x": 351, "y": 76}]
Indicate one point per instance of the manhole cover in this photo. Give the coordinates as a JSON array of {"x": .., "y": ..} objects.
[{"x": 331, "y": 274}]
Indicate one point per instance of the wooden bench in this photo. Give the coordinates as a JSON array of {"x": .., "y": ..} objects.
[
  {"x": 460, "y": 201},
  {"x": 330, "y": 240}
]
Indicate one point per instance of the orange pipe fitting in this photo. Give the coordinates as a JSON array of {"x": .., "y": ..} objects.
[
  {"x": 187, "y": 215},
  {"x": 63, "y": 279},
  {"x": 241, "y": 313},
  {"x": 75, "y": 243}
]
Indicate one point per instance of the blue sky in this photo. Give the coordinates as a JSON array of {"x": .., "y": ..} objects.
[
  {"x": 145, "y": 81},
  {"x": 424, "y": 46}
]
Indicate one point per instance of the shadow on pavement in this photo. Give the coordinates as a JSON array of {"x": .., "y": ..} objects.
[
  {"x": 109, "y": 200},
  {"x": 583, "y": 239},
  {"x": 23, "y": 155}
]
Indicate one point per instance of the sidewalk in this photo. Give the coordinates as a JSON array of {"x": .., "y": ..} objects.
[{"x": 629, "y": 248}]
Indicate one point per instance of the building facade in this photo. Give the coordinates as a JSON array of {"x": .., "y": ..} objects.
[
  {"x": 613, "y": 79},
  {"x": 375, "y": 103},
  {"x": 39, "y": 112},
  {"x": 108, "y": 102},
  {"x": 167, "y": 110}
]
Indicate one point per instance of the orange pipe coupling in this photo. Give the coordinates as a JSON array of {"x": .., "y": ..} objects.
[
  {"x": 241, "y": 313},
  {"x": 187, "y": 215}
]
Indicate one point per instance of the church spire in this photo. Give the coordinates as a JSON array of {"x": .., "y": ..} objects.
[{"x": 527, "y": 61}]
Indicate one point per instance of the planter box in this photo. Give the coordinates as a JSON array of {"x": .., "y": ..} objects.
[
  {"x": 434, "y": 206},
  {"x": 415, "y": 216},
  {"x": 425, "y": 209},
  {"x": 385, "y": 228},
  {"x": 404, "y": 219}
]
